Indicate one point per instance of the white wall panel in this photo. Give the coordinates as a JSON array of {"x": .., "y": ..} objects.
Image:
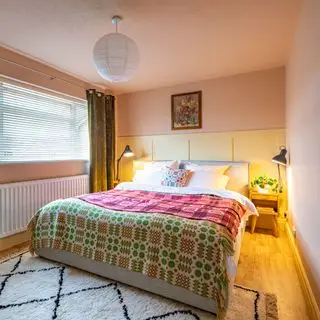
[
  {"x": 170, "y": 147},
  {"x": 257, "y": 147},
  {"x": 211, "y": 146}
]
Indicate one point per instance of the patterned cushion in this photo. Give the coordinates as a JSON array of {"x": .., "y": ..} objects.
[{"x": 176, "y": 177}]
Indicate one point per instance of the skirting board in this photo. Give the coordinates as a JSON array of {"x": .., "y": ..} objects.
[
  {"x": 13, "y": 240},
  {"x": 304, "y": 281}
]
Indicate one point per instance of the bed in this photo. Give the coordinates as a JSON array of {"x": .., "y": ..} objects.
[{"x": 56, "y": 226}]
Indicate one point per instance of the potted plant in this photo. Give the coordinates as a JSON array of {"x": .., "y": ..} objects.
[{"x": 264, "y": 184}]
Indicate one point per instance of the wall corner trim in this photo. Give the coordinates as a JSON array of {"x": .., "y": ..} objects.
[{"x": 303, "y": 277}]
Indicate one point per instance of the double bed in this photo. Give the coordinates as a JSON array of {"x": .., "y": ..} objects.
[{"x": 191, "y": 259}]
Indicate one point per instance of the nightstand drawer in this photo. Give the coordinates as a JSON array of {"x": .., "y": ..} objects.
[
  {"x": 266, "y": 197},
  {"x": 266, "y": 203}
]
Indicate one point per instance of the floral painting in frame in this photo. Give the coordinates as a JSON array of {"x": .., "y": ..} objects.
[{"x": 186, "y": 111}]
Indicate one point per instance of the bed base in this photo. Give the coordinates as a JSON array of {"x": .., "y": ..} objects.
[
  {"x": 131, "y": 278},
  {"x": 141, "y": 281}
]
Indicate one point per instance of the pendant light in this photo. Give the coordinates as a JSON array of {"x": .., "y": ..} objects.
[{"x": 116, "y": 56}]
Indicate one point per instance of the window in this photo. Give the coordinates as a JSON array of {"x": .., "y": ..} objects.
[{"x": 40, "y": 127}]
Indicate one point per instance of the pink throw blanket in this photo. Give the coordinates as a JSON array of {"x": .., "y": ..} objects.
[{"x": 223, "y": 211}]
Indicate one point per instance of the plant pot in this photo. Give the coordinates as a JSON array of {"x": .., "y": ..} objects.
[{"x": 263, "y": 190}]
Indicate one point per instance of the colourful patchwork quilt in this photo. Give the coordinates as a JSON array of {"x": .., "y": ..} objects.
[{"x": 190, "y": 253}]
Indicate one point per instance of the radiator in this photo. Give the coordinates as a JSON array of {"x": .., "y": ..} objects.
[{"x": 20, "y": 201}]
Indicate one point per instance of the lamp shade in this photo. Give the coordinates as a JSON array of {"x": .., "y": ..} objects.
[
  {"x": 281, "y": 157},
  {"x": 128, "y": 152},
  {"x": 116, "y": 57}
]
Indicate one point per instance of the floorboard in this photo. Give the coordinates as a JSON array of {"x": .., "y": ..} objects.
[{"x": 267, "y": 264}]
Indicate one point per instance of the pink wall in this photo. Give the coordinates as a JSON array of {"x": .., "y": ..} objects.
[
  {"x": 33, "y": 170},
  {"x": 41, "y": 170},
  {"x": 303, "y": 124},
  {"x": 17, "y": 72},
  {"x": 248, "y": 101}
]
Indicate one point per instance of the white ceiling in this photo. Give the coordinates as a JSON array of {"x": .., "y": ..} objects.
[{"x": 179, "y": 40}]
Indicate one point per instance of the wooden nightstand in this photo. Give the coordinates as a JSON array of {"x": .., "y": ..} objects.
[
  {"x": 267, "y": 205},
  {"x": 115, "y": 183}
]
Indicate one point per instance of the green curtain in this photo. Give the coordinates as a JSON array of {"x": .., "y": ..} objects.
[{"x": 102, "y": 140}]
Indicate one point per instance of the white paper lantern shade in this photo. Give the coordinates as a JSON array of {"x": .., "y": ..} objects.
[{"x": 116, "y": 57}]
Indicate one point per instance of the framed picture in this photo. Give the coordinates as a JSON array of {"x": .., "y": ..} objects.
[{"x": 186, "y": 111}]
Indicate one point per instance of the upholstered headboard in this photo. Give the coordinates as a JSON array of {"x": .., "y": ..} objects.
[{"x": 238, "y": 173}]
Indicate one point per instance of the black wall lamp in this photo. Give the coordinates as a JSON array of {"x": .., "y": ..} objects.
[
  {"x": 127, "y": 152},
  {"x": 281, "y": 160}
]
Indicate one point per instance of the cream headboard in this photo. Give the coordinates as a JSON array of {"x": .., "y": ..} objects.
[{"x": 238, "y": 173}]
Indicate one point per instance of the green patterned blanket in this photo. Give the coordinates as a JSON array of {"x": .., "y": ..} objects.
[{"x": 187, "y": 253}]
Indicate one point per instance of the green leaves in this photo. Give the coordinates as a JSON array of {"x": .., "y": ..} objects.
[{"x": 262, "y": 181}]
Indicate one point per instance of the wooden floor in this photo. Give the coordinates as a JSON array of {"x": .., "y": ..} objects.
[
  {"x": 4, "y": 254},
  {"x": 266, "y": 264}
]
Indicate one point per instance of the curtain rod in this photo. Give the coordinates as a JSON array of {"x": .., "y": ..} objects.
[{"x": 47, "y": 75}]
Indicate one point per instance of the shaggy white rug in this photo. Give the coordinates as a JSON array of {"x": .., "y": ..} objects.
[{"x": 35, "y": 288}]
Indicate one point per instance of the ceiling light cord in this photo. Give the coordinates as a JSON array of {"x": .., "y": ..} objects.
[{"x": 115, "y": 20}]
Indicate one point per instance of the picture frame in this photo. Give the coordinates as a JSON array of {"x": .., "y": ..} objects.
[{"x": 186, "y": 111}]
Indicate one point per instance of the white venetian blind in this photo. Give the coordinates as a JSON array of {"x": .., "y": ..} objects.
[{"x": 35, "y": 126}]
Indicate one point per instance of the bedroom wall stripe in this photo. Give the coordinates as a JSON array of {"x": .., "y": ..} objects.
[{"x": 19, "y": 201}]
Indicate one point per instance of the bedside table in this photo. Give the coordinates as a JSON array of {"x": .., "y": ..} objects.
[
  {"x": 115, "y": 183},
  {"x": 267, "y": 205}
]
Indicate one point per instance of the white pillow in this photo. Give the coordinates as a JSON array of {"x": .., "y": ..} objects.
[
  {"x": 148, "y": 177},
  {"x": 208, "y": 179},
  {"x": 160, "y": 165},
  {"x": 221, "y": 169}
]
